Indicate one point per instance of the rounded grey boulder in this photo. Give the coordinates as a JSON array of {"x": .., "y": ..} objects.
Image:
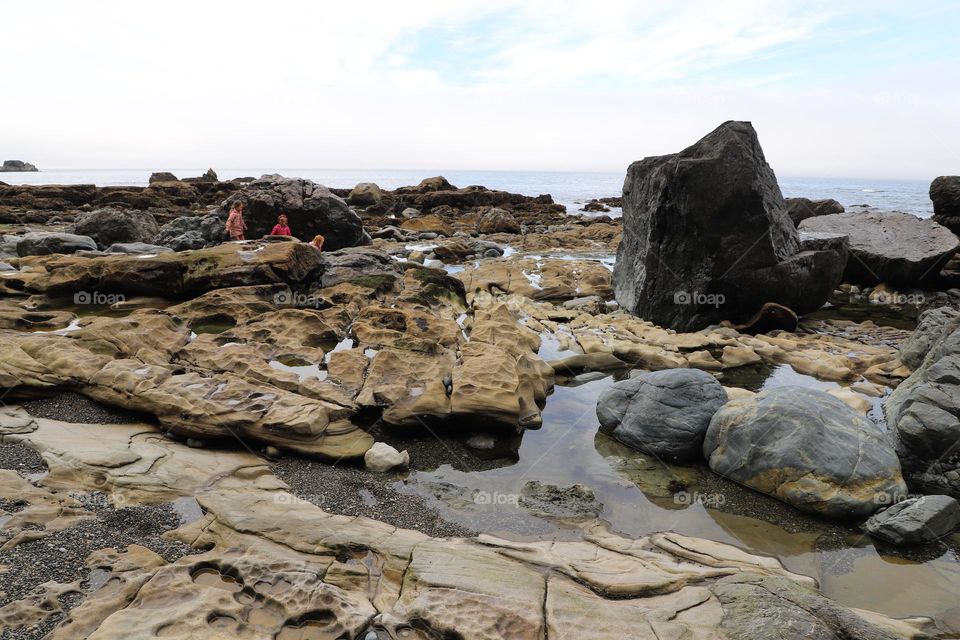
[
  {"x": 915, "y": 521},
  {"x": 42, "y": 243},
  {"x": 111, "y": 226},
  {"x": 808, "y": 449},
  {"x": 663, "y": 413}
]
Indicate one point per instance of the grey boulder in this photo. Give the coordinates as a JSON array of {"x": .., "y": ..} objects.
[
  {"x": 932, "y": 325},
  {"x": 42, "y": 243},
  {"x": 137, "y": 248},
  {"x": 806, "y": 448},
  {"x": 110, "y": 226},
  {"x": 191, "y": 232},
  {"x": 919, "y": 520},
  {"x": 924, "y": 410},
  {"x": 365, "y": 194},
  {"x": 706, "y": 238},
  {"x": 893, "y": 247},
  {"x": 663, "y": 413},
  {"x": 310, "y": 207}
]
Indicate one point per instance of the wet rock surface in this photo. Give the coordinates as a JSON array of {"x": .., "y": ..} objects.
[{"x": 808, "y": 449}]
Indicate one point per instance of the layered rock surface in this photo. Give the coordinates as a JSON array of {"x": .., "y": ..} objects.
[{"x": 275, "y": 566}]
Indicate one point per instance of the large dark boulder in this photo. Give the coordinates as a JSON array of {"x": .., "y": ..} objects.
[
  {"x": 310, "y": 207},
  {"x": 945, "y": 194},
  {"x": 706, "y": 237},
  {"x": 109, "y": 226},
  {"x": 807, "y": 448},
  {"x": 893, "y": 247},
  {"x": 664, "y": 413},
  {"x": 799, "y": 209},
  {"x": 924, "y": 410}
]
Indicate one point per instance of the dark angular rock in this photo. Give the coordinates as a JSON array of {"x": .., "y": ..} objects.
[
  {"x": 919, "y": 520},
  {"x": 17, "y": 165},
  {"x": 110, "y": 226},
  {"x": 945, "y": 194},
  {"x": 663, "y": 413},
  {"x": 799, "y": 209},
  {"x": 892, "y": 247},
  {"x": 310, "y": 207},
  {"x": 163, "y": 176},
  {"x": 706, "y": 238},
  {"x": 191, "y": 232}
]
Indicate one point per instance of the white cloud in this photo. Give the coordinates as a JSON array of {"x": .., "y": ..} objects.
[{"x": 501, "y": 84}]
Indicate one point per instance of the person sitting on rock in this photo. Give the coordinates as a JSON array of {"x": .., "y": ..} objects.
[
  {"x": 281, "y": 228},
  {"x": 235, "y": 224},
  {"x": 317, "y": 242}
]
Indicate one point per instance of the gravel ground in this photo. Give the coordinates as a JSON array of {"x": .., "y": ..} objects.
[
  {"x": 20, "y": 457},
  {"x": 61, "y": 556},
  {"x": 73, "y": 407}
]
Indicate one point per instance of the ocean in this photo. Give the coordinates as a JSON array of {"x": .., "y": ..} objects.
[{"x": 568, "y": 188}]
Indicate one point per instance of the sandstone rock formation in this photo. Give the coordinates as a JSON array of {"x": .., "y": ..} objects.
[
  {"x": 275, "y": 566},
  {"x": 664, "y": 413},
  {"x": 808, "y": 449},
  {"x": 706, "y": 237},
  {"x": 891, "y": 247}
]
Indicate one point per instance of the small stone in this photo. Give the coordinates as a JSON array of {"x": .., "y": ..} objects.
[{"x": 381, "y": 458}]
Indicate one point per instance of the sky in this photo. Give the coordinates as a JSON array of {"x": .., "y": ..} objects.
[{"x": 834, "y": 89}]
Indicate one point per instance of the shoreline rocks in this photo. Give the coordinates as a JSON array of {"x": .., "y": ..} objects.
[
  {"x": 892, "y": 247},
  {"x": 706, "y": 238},
  {"x": 807, "y": 448},
  {"x": 17, "y": 166},
  {"x": 799, "y": 209},
  {"x": 945, "y": 194},
  {"x": 663, "y": 413}
]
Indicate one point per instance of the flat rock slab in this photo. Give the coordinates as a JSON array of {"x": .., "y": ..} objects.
[
  {"x": 916, "y": 521},
  {"x": 891, "y": 247}
]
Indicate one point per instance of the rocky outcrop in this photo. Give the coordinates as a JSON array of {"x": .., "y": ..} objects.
[
  {"x": 497, "y": 220},
  {"x": 945, "y": 194},
  {"x": 162, "y": 176},
  {"x": 799, "y": 209},
  {"x": 924, "y": 410},
  {"x": 663, "y": 413},
  {"x": 110, "y": 226},
  {"x": 17, "y": 165},
  {"x": 706, "y": 237},
  {"x": 272, "y": 565},
  {"x": 807, "y": 448},
  {"x": 891, "y": 247},
  {"x": 310, "y": 207},
  {"x": 915, "y": 521},
  {"x": 365, "y": 194},
  {"x": 136, "y": 248},
  {"x": 192, "y": 232}
]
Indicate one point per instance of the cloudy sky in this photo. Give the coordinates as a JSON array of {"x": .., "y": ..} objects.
[{"x": 853, "y": 89}]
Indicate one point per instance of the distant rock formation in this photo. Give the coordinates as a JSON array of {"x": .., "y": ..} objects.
[
  {"x": 799, "y": 209},
  {"x": 17, "y": 165},
  {"x": 706, "y": 238}
]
